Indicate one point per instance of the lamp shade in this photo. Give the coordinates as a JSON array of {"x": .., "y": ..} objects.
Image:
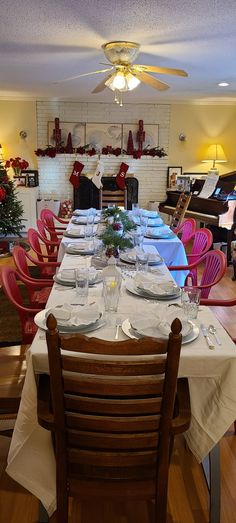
[{"x": 215, "y": 153}]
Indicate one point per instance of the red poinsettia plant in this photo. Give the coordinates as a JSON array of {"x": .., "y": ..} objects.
[{"x": 17, "y": 163}]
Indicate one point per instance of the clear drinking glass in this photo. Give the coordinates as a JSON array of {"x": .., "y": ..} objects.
[
  {"x": 141, "y": 261},
  {"x": 111, "y": 293},
  {"x": 190, "y": 298},
  {"x": 81, "y": 285}
]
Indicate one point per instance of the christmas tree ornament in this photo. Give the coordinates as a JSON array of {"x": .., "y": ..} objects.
[
  {"x": 120, "y": 177},
  {"x": 75, "y": 175},
  {"x": 97, "y": 177}
]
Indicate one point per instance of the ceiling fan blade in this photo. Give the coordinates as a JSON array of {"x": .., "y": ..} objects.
[
  {"x": 153, "y": 82},
  {"x": 85, "y": 74},
  {"x": 101, "y": 86},
  {"x": 161, "y": 70}
]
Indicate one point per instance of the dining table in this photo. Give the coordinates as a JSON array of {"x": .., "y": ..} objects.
[{"x": 210, "y": 373}]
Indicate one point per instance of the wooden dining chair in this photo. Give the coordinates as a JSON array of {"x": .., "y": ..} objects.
[
  {"x": 114, "y": 416},
  {"x": 180, "y": 210},
  {"x": 118, "y": 198}
]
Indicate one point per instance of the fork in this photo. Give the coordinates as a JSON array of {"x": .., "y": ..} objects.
[{"x": 118, "y": 325}]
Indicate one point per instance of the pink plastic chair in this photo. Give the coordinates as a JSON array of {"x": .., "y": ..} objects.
[
  {"x": 214, "y": 269},
  {"x": 38, "y": 289},
  {"x": 202, "y": 241},
  {"x": 51, "y": 246},
  {"x": 9, "y": 278},
  {"x": 186, "y": 229}
]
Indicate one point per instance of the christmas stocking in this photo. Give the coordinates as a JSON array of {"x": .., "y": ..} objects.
[
  {"x": 75, "y": 175},
  {"x": 120, "y": 177},
  {"x": 97, "y": 177}
]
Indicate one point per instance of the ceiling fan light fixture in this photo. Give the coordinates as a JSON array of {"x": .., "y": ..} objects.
[
  {"x": 119, "y": 81},
  {"x": 132, "y": 81}
]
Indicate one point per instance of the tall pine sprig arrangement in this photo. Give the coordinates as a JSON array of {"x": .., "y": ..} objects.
[{"x": 11, "y": 210}]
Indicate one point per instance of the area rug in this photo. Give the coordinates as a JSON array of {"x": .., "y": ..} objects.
[{"x": 10, "y": 328}]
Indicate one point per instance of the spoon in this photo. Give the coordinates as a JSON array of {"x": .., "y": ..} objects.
[{"x": 212, "y": 331}]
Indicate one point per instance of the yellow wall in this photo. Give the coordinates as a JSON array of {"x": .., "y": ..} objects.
[
  {"x": 203, "y": 125},
  {"x": 16, "y": 117}
]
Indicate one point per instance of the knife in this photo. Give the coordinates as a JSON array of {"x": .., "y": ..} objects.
[{"x": 205, "y": 334}]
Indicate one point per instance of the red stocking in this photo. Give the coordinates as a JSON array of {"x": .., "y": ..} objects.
[
  {"x": 120, "y": 177},
  {"x": 75, "y": 175}
]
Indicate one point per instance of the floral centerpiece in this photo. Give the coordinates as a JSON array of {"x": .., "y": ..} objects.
[
  {"x": 114, "y": 235},
  {"x": 17, "y": 164}
]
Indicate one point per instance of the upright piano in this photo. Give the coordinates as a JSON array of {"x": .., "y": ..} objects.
[{"x": 219, "y": 210}]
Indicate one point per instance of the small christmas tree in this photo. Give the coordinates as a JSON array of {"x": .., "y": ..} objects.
[{"x": 11, "y": 210}]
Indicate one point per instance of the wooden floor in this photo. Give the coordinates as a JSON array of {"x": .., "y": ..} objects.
[{"x": 188, "y": 496}]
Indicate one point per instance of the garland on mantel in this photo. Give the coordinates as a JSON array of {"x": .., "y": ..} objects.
[{"x": 51, "y": 151}]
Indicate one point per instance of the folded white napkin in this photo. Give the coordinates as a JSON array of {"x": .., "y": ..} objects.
[
  {"x": 160, "y": 321},
  {"x": 73, "y": 232},
  {"x": 152, "y": 257},
  {"x": 75, "y": 315},
  {"x": 155, "y": 221},
  {"x": 67, "y": 275},
  {"x": 150, "y": 214},
  {"x": 155, "y": 286},
  {"x": 80, "y": 246},
  {"x": 83, "y": 220},
  {"x": 156, "y": 231}
]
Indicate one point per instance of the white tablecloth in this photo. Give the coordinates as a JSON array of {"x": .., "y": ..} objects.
[
  {"x": 171, "y": 250},
  {"x": 211, "y": 378}
]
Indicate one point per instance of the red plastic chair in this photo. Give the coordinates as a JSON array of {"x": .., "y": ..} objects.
[
  {"x": 47, "y": 269},
  {"x": 214, "y": 269},
  {"x": 46, "y": 214},
  {"x": 51, "y": 246},
  {"x": 9, "y": 279},
  {"x": 34, "y": 240},
  {"x": 185, "y": 229},
  {"x": 38, "y": 289},
  {"x": 50, "y": 220}
]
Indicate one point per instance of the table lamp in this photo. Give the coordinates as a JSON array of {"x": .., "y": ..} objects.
[{"x": 215, "y": 153}]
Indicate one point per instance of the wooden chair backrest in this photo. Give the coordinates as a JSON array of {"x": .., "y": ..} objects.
[
  {"x": 113, "y": 405},
  {"x": 181, "y": 208},
  {"x": 118, "y": 198}
]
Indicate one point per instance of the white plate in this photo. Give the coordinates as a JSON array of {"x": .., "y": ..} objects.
[
  {"x": 130, "y": 333},
  {"x": 160, "y": 236},
  {"x": 70, "y": 283},
  {"x": 126, "y": 258},
  {"x": 131, "y": 287},
  {"x": 40, "y": 321},
  {"x": 152, "y": 331}
]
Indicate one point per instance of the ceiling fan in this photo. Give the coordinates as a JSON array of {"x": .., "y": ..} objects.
[{"x": 124, "y": 75}]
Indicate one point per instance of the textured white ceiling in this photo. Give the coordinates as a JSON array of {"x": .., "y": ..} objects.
[{"x": 44, "y": 41}]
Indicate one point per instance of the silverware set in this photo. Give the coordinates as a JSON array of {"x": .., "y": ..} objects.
[{"x": 212, "y": 331}]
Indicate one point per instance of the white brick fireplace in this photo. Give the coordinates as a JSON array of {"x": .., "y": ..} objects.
[{"x": 151, "y": 172}]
